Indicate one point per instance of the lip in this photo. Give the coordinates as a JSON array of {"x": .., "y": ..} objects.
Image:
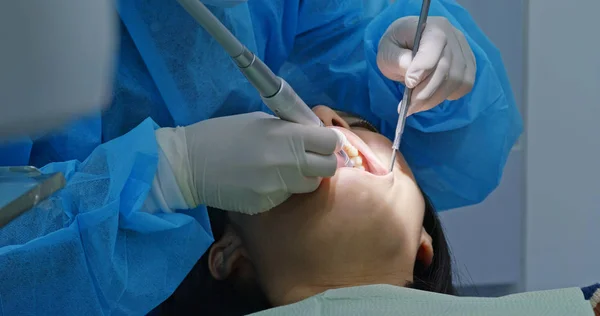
[{"x": 374, "y": 165}]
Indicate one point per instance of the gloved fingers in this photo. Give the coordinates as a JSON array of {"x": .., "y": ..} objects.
[
  {"x": 259, "y": 115},
  {"x": 392, "y": 59},
  {"x": 431, "y": 50},
  {"x": 304, "y": 185},
  {"x": 319, "y": 140},
  {"x": 425, "y": 89},
  {"x": 466, "y": 50},
  {"x": 316, "y": 165},
  {"x": 442, "y": 94},
  {"x": 426, "y": 94},
  {"x": 462, "y": 90},
  {"x": 263, "y": 203},
  {"x": 451, "y": 84},
  {"x": 253, "y": 203},
  {"x": 470, "y": 66}
]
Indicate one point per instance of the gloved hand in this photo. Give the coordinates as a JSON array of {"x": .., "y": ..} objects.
[
  {"x": 443, "y": 68},
  {"x": 247, "y": 163}
]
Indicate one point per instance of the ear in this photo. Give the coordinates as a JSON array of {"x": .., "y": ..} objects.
[
  {"x": 227, "y": 255},
  {"x": 425, "y": 252},
  {"x": 329, "y": 117}
]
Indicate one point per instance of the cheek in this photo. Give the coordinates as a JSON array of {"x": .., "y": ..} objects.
[
  {"x": 349, "y": 191},
  {"x": 355, "y": 199},
  {"x": 341, "y": 205},
  {"x": 380, "y": 145},
  {"x": 255, "y": 230},
  {"x": 363, "y": 216}
]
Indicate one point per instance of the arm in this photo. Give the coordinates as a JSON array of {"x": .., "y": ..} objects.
[
  {"x": 456, "y": 150},
  {"x": 89, "y": 249}
]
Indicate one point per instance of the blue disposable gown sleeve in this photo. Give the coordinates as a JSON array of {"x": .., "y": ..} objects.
[
  {"x": 90, "y": 249},
  {"x": 457, "y": 150},
  {"x": 16, "y": 152}
]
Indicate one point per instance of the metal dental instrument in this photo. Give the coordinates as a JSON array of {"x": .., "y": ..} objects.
[
  {"x": 275, "y": 92},
  {"x": 25, "y": 187},
  {"x": 405, "y": 103}
]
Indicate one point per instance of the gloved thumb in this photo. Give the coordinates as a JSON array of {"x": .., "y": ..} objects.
[{"x": 393, "y": 60}]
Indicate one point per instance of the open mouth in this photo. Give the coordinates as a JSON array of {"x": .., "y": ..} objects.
[{"x": 361, "y": 154}]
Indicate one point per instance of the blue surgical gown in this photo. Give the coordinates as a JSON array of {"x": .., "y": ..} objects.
[{"x": 91, "y": 250}]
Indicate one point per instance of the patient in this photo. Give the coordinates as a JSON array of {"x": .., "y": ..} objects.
[{"x": 360, "y": 227}]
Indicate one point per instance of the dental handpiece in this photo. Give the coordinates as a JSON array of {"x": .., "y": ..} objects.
[
  {"x": 405, "y": 103},
  {"x": 275, "y": 92}
]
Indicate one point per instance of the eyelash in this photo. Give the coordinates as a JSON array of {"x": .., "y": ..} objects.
[{"x": 364, "y": 124}]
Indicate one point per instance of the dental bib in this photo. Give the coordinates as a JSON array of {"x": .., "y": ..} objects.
[{"x": 383, "y": 300}]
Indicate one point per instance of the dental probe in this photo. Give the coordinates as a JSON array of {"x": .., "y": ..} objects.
[
  {"x": 405, "y": 103},
  {"x": 275, "y": 92}
]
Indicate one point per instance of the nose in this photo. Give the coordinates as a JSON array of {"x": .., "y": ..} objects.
[{"x": 329, "y": 117}]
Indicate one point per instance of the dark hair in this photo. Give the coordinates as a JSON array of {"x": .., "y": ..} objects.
[
  {"x": 201, "y": 294},
  {"x": 437, "y": 277}
]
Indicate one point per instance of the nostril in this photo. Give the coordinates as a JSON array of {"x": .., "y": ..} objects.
[
  {"x": 329, "y": 117},
  {"x": 337, "y": 123},
  {"x": 328, "y": 121}
]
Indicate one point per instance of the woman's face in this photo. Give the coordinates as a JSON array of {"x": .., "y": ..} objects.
[{"x": 356, "y": 228}]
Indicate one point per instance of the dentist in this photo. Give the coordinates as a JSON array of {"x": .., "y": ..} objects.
[{"x": 112, "y": 241}]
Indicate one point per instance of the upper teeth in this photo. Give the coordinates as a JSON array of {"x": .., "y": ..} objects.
[{"x": 354, "y": 156}]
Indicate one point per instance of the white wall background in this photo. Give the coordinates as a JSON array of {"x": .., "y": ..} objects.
[
  {"x": 487, "y": 239},
  {"x": 562, "y": 144},
  {"x": 541, "y": 228}
]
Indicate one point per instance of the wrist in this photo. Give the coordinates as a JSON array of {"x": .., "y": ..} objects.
[{"x": 174, "y": 179}]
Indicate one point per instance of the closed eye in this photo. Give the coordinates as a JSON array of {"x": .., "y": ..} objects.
[{"x": 364, "y": 124}]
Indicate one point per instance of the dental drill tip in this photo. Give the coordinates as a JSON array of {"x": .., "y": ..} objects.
[
  {"x": 347, "y": 161},
  {"x": 342, "y": 140}
]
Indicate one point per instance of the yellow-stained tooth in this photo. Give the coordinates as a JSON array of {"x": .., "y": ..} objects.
[
  {"x": 354, "y": 156},
  {"x": 357, "y": 161},
  {"x": 351, "y": 150}
]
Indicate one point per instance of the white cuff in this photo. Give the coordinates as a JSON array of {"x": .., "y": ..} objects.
[{"x": 167, "y": 194}]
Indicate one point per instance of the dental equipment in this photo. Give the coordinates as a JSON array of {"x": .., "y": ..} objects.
[
  {"x": 275, "y": 92},
  {"x": 23, "y": 188},
  {"x": 405, "y": 103}
]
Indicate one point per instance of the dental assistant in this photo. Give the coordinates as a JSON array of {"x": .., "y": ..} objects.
[{"x": 110, "y": 242}]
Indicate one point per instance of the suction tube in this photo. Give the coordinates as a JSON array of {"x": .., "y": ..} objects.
[{"x": 275, "y": 92}]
